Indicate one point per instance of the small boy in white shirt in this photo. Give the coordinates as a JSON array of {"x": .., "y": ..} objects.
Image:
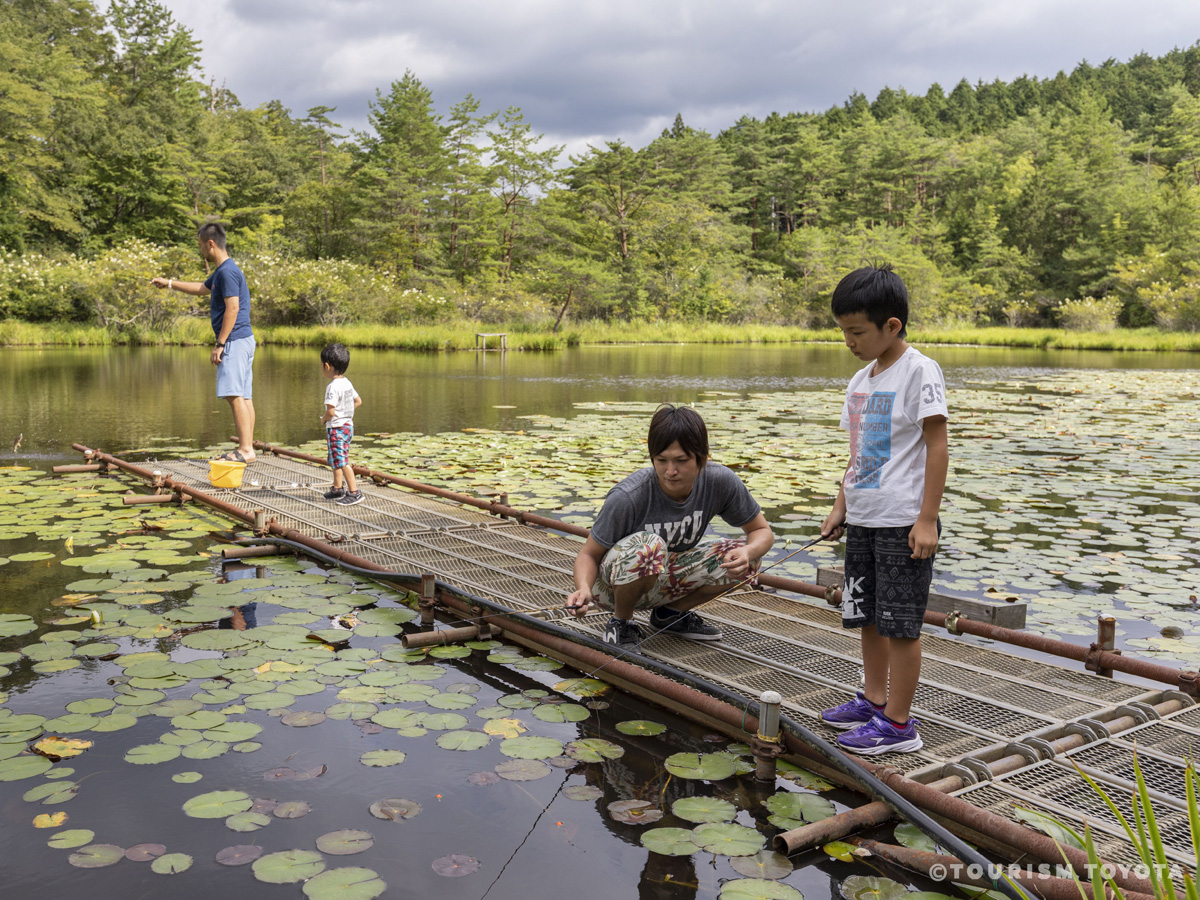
[{"x": 341, "y": 400}]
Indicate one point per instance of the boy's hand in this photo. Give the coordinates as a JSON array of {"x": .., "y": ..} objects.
[
  {"x": 923, "y": 539},
  {"x": 834, "y": 525},
  {"x": 737, "y": 562},
  {"x": 578, "y": 602}
]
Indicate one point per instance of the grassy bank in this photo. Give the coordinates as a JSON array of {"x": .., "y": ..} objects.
[{"x": 461, "y": 336}]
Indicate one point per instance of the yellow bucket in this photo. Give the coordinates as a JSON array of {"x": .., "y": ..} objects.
[{"x": 225, "y": 474}]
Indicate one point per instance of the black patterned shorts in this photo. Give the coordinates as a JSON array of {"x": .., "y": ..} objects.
[{"x": 885, "y": 586}]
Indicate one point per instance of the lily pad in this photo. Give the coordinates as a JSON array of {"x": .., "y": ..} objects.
[
  {"x": 766, "y": 864},
  {"x": 382, "y": 758},
  {"x": 97, "y": 856},
  {"x": 70, "y": 839},
  {"x": 583, "y": 792},
  {"x": 171, "y": 864},
  {"x": 634, "y": 812},
  {"x": 706, "y": 766},
  {"x": 350, "y": 883},
  {"x": 20, "y": 767},
  {"x": 704, "y": 809},
  {"x": 288, "y": 866},
  {"x": 872, "y": 887},
  {"x": 463, "y": 740},
  {"x": 217, "y": 804},
  {"x": 758, "y": 889},
  {"x": 523, "y": 769},
  {"x": 394, "y": 810},
  {"x": 790, "y": 809},
  {"x": 144, "y": 852},
  {"x": 455, "y": 865},
  {"x": 670, "y": 841},
  {"x": 594, "y": 750},
  {"x": 640, "y": 727},
  {"x": 345, "y": 843},
  {"x": 560, "y": 712},
  {"x": 728, "y": 839},
  {"x": 531, "y": 747},
  {"x": 239, "y": 855}
]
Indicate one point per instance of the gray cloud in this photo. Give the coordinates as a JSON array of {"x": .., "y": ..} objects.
[{"x": 585, "y": 70}]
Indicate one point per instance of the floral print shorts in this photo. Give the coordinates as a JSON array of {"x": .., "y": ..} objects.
[{"x": 645, "y": 553}]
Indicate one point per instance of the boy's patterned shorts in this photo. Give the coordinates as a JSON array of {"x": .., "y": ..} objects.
[
  {"x": 885, "y": 586},
  {"x": 645, "y": 553},
  {"x": 338, "y": 438}
]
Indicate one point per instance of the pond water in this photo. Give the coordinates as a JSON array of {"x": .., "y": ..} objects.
[{"x": 1074, "y": 486}]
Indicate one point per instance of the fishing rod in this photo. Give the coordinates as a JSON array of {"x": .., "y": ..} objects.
[{"x": 871, "y": 784}]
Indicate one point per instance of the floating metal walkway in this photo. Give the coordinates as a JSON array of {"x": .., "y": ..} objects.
[{"x": 988, "y": 718}]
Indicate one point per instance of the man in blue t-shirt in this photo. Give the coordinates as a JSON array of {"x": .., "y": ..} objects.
[
  {"x": 233, "y": 353},
  {"x": 646, "y": 548}
]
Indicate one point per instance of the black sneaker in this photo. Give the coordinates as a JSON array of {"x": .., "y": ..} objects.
[
  {"x": 335, "y": 494},
  {"x": 626, "y": 635},
  {"x": 350, "y": 498},
  {"x": 687, "y": 625}
]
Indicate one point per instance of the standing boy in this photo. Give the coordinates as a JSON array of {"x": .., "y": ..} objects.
[
  {"x": 341, "y": 400},
  {"x": 233, "y": 349},
  {"x": 895, "y": 411}
]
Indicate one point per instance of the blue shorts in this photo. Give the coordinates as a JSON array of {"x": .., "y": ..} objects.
[{"x": 235, "y": 371}]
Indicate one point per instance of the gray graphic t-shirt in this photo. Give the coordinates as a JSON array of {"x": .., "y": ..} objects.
[{"x": 638, "y": 504}]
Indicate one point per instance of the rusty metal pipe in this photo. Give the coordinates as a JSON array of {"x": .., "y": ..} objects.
[
  {"x": 247, "y": 552},
  {"x": 143, "y": 499},
  {"x": 444, "y": 636},
  {"x": 66, "y": 470},
  {"x": 940, "y": 867}
]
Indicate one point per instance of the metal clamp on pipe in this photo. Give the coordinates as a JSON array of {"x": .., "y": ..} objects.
[
  {"x": 765, "y": 745},
  {"x": 952, "y": 623},
  {"x": 1189, "y": 683},
  {"x": 427, "y": 599}
]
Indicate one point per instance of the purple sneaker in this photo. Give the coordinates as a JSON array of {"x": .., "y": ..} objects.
[
  {"x": 881, "y": 736},
  {"x": 850, "y": 714}
]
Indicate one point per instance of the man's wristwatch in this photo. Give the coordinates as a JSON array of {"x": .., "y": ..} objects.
[{"x": 220, "y": 345}]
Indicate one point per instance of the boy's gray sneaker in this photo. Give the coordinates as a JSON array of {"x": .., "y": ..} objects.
[
  {"x": 335, "y": 493},
  {"x": 350, "y": 498},
  {"x": 686, "y": 625},
  {"x": 624, "y": 634}
]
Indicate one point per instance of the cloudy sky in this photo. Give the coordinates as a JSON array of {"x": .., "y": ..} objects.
[{"x": 585, "y": 71}]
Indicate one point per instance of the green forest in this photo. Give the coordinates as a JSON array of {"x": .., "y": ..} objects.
[{"x": 1070, "y": 201}]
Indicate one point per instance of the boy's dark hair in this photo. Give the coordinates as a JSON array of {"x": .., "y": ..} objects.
[
  {"x": 212, "y": 231},
  {"x": 682, "y": 424},
  {"x": 337, "y": 356},
  {"x": 876, "y": 291}
]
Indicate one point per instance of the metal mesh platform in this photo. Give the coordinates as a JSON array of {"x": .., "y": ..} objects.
[{"x": 973, "y": 700}]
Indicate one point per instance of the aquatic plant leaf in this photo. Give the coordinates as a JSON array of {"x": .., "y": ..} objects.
[
  {"x": 150, "y": 754},
  {"x": 20, "y": 767},
  {"x": 451, "y": 701},
  {"x": 764, "y": 864},
  {"x": 463, "y": 740},
  {"x": 634, "y": 812},
  {"x": 728, "y": 839},
  {"x": 395, "y": 809},
  {"x": 560, "y": 712},
  {"x": 248, "y": 821},
  {"x": 706, "y": 766},
  {"x": 186, "y": 777},
  {"x": 523, "y": 769},
  {"x": 801, "y": 777},
  {"x": 345, "y": 843},
  {"x": 444, "y": 721},
  {"x": 449, "y": 652},
  {"x": 641, "y": 727},
  {"x": 1048, "y": 825},
  {"x": 670, "y": 841},
  {"x": 455, "y": 865},
  {"x": 909, "y": 835},
  {"x": 49, "y": 820},
  {"x": 96, "y": 856},
  {"x": 584, "y": 792},
  {"x": 704, "y": 809},
  {"x": 288, "y": 866},
  {"x": 506, "y": 728},
  {"x": 217, "y": 804},
  {"x": 239, "y": 854},
  {"x": 871, "y": 887},
  {"x": 70, "y": 839},
  {"x": 56, "y": 748},
  {"x": 758, "y": 889},
  {"x": 841, "y": 851},
  {"x": 144, "y": 852},
  {"x": 594, "y": 750},
  {"x": 171, "y": 864},
  {"x": 583, "y": 687},
  {"x": 350, "y": 883},
  {"x": 808, "y": 807},
  {"x": 291, "y": 809},
  {"x": 303, "y": 718},
  {"x": 382, "y": 758},
  {"x": 483, "y": 778},
  {"x": 531, "y": 747},
  {"x": 205, "y": 749}
]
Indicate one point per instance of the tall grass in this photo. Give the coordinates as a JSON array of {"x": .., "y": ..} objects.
[{"x": 460, "y": 334}]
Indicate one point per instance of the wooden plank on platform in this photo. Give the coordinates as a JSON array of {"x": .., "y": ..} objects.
[{"x": 1004, "y": 614}]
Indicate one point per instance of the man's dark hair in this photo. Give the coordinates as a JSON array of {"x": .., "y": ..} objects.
[
  {"x": 876, "y": 291},
  {"x": 678, "y": 423},
  {"x": 212, "y": 231},
  {"x": 337, "y": 356}
]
